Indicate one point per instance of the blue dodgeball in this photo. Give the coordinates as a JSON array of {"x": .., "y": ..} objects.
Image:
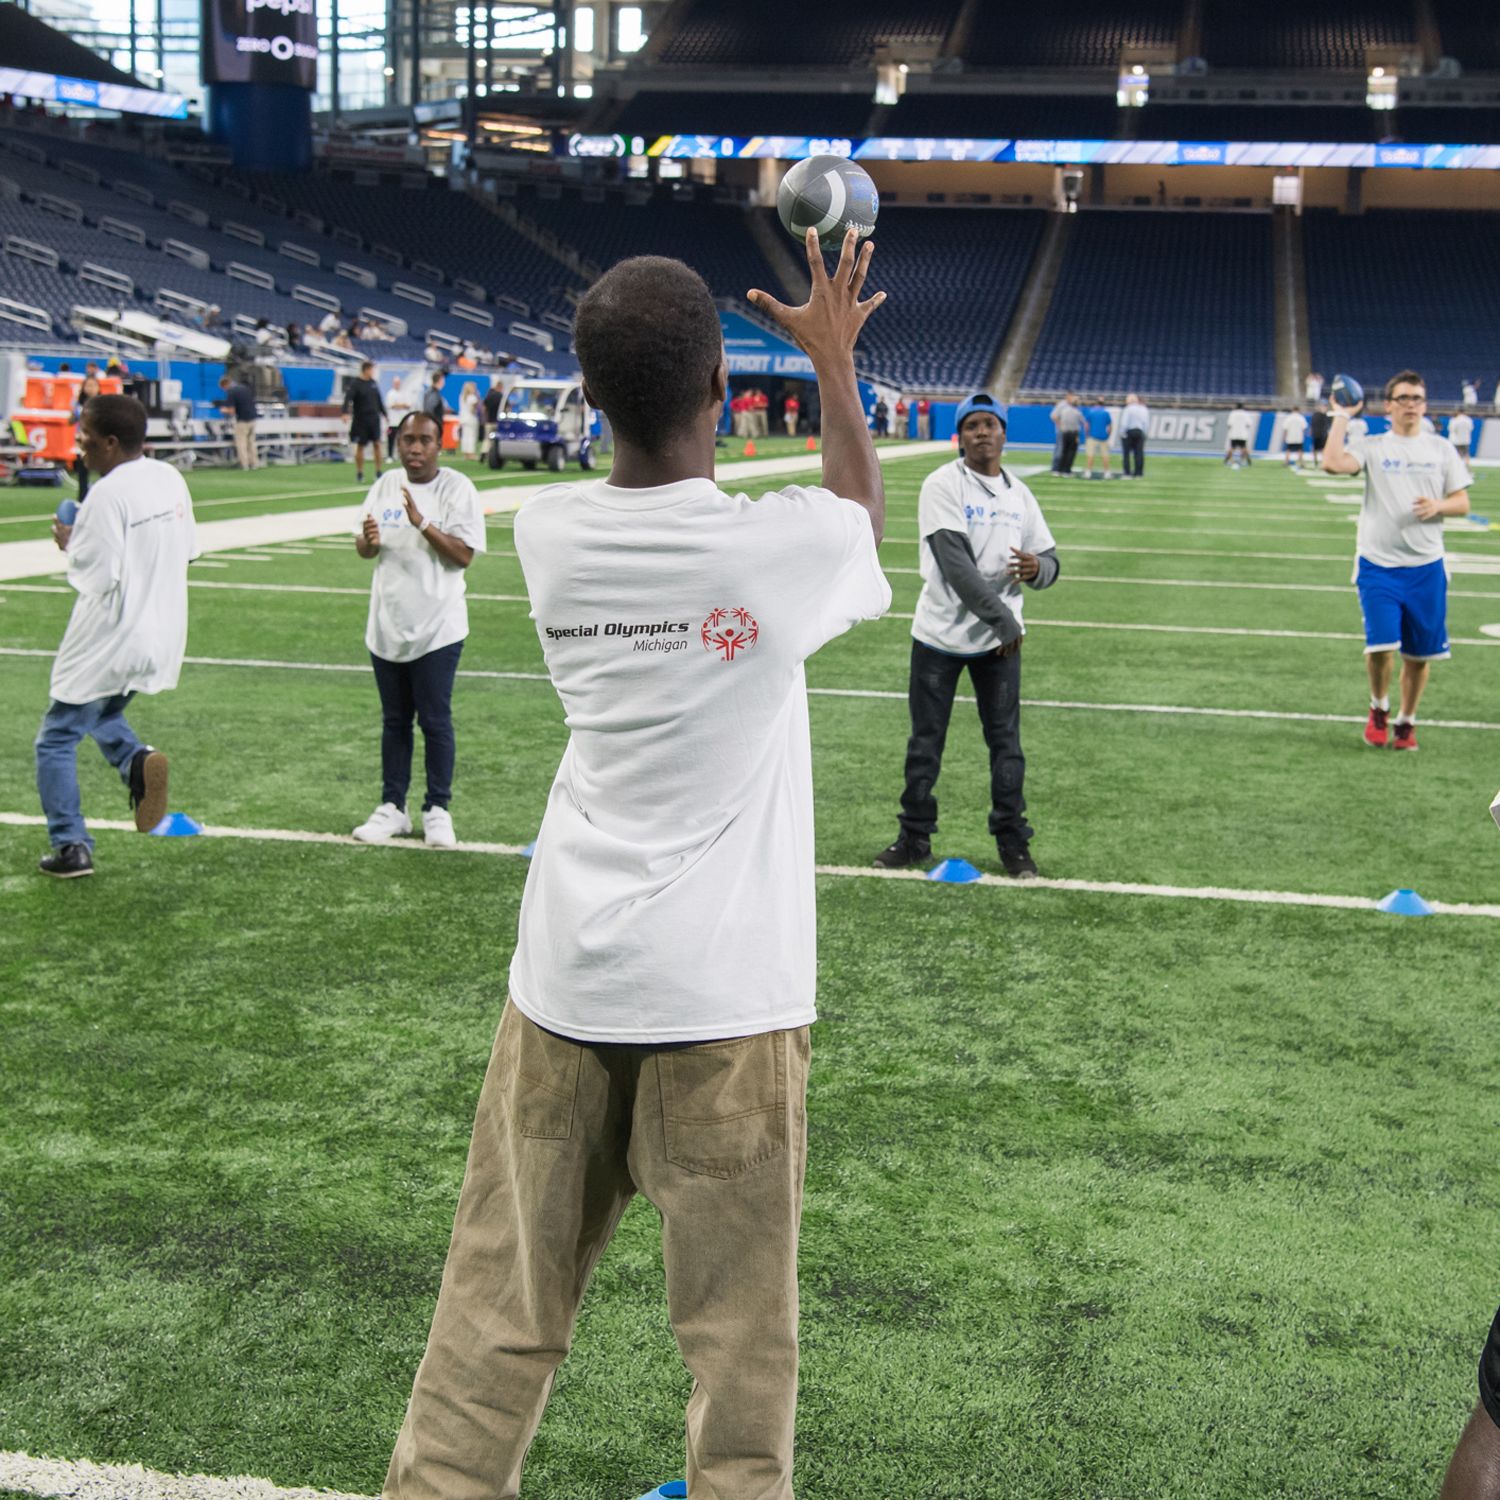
[
  {"x": 1346, "y": 391},
  {"x": 67, "y": 512}
]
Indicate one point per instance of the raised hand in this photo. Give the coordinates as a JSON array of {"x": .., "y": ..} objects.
[{"x": 827, "y": 325}]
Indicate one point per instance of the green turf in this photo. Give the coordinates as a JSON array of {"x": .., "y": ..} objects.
[{"x": 1108, "y": 1197}]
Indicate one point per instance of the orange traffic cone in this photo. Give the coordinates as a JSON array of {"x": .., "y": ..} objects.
[
  {"x": 749, "y": 447},
  {"x": 812, "y": 445},
  {"x": 954, "y": 440}
]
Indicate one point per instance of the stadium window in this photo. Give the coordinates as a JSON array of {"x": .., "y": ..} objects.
[
  {"x": 583, "y": 29},
  {"x": 630, "y": 30},
  {"x": 1380, "y": 89},
  {"x": 1134, "y": 87}
]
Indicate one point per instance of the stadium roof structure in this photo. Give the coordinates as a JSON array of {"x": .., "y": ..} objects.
[{"x": 32, "y": 46}]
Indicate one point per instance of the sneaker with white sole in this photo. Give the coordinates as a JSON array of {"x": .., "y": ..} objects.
[
  {"x": 437, "y": 828},
  {"x": 387, "y": 822}
]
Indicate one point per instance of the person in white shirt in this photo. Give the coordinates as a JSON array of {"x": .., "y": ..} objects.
[
  {"x": 128, "y": 551},
  {"x": 1461, "y": 433},
  {"x": 468, "y": 420},
  {"x": 423, "y": 526},
  {"x": 982, "y": 536},
  {"x": 1413, "y": 480},
  {"x": 662, "y": 988},
  {"x": 1240, "y": 431},
  {"x": 1312, "y": 388},
  {"x": 1470, "y": 392},
  {"x": 398, "y": 402},
  {"x": 1135, "y": 422},
  {"x": 1294, "y": 438}
]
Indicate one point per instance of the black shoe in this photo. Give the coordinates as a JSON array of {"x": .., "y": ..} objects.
[
  {"x": 1019, "y": 864},
  {"x": 148, "y": 788},
  {"x": 909, "y": 849},
  {"x": 68, "y": 862}
]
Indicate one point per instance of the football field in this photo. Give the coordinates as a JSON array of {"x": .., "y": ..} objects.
[{"x": 1171, "y": 1175}]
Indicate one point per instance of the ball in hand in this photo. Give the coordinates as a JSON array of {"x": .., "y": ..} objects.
[{"x": 830, "y": 195}]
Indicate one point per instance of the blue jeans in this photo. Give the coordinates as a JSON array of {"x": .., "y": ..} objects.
[
  {"x": 422, "y": 688},
  {"x": 63, "y": 726}
]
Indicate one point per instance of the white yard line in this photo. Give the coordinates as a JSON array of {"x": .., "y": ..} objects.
[
  {"x": 891, "y": 694},
  {"x": 77, "y": 1479},
  {"x": 850, "y": 872}
]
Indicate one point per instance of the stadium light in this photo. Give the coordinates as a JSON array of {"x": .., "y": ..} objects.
[{"x": 1380, "y": 88}]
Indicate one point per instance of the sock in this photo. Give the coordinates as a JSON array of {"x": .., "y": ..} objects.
[
  {"x": 1384, "y": 703},
  {"x": 1408, "y": 719}
]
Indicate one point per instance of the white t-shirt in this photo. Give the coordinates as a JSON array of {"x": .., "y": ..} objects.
[
  {"x": 670, "y": 896},
  {"x": 1460, "y": 429},
  {"x": 1135, "y": 417},
  {"x": 1399, "y": 470},
  {"x": 1358, "y": 428},
  {"x": 417, "y": 602},
  {"x": 995, "y": 518},
  {"x": 128, "y": 558},
  {"x": 1294, "y": 432},
  {"x": 1241, "y": 426},
  {"x": 397, "y": 403}
]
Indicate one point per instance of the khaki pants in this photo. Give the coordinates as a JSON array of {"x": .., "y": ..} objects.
[
  {"x": 244, "y": 443},
  {"x": 715, "y": 1136}
]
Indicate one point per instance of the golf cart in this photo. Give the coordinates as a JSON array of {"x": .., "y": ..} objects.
[{"x": 543, "y": 422}]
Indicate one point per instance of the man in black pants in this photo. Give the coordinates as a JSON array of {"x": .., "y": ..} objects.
[
  {"x": 983, "y": 536},
  {"x": 1067, "y": 418},
  {"x": 365, "y": 408},
  {"x": 1474, "y": 1473}
]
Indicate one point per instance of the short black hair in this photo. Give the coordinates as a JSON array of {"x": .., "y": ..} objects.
[
  {"x": 120, "y": 417},
  {"x": 648, "y": 339},
  {"x": 416, "y": 414},
  {"x": 366, "y": 364},
  {"x": 1406, "y": 377}
]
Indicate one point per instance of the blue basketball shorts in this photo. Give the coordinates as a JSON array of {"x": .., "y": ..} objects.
[{"x": 1405, "y": 609}]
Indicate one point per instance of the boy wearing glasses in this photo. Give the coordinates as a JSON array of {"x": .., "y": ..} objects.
[{"x": 1413, "y": 480}]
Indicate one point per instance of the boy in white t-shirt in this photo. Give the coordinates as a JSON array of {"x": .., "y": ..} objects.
[
  {"x": 1294, "y": 437},
  {"x": 423, "y": 527},
  {"x": 656, "y": 1039},
  {"x": 128, "y": 552}
]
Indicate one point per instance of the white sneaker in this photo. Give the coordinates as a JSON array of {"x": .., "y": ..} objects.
[
  {"x": 387, "y": 822},
  {"x": 437, "y": 828}
]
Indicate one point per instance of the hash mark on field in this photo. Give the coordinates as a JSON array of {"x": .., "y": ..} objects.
[
  {"x": 78, "y": 1479},
  {"x": 850, "y": 872}
]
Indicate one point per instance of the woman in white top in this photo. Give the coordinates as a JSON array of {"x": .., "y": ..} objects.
[{"x": 468, "y": 420}]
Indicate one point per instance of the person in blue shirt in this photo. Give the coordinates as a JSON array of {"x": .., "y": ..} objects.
[{"x": 1098, "y": 426}]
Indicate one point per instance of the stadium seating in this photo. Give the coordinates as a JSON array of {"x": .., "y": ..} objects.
[
  {"x": 997, "y": 115},
  {"x": 689, "y": 112},
  {"x": 1253, "y": 122},
  {"x": 1332, "y": 35},
  {"x": 1388, "y": 291},
  {"x": 1081, "y": 34},
  {"x": 1161, "y": 303},
  {"x": 1469, "y": 32},
  {"x": 792, "y": 33},
  {"x": 953, "y": 276}
]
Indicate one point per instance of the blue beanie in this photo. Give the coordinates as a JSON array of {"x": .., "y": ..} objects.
[{"x": 980, "y": 401}]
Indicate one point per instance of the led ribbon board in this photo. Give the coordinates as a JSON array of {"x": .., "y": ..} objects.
[
  {"x": 1054, "y": 152},
  {"x": 84, "y": 91}
]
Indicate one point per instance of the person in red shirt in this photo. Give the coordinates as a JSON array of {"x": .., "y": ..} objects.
[
  {"x": 760, "y": 407},
  {"x": 739, "y": 411},
  {"x": 791, "y": 411},
  {"x": 901, "y": 410},
  {"x": 924, "y": 419}
]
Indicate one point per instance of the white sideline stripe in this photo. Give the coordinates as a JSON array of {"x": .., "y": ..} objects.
[
  {"x": 1284, "y": 635},
  {"x": 33, "y": 559},
  {"x": 1224, "y": 583},
  {"x": 1165, "y": 709},
  {"x": 850, "y": 872},
  {"x": 78, "y": 1479}
]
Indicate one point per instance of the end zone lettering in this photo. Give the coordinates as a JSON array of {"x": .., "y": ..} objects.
[{"x": 620, "y": 628}]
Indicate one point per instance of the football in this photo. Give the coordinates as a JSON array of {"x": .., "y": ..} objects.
[
  {"x": 1346, "y": 392},
  {"x": 830, "y": 195}
]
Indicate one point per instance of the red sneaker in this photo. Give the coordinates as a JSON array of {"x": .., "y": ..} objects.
[
  {"x": 1375, "y": 730},
  {"x": 1406, "y": 737}
]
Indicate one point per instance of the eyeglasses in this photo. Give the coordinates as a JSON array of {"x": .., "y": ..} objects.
[{"x": 1409, "y": 400}]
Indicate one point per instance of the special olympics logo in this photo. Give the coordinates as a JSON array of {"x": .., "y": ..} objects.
[{"x": 729, "y": 631}]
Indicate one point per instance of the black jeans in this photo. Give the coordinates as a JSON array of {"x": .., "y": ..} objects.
[
  {"x": 1133, "y": 445},
  {"x": 423, "y": 688},
  {"x": 997, "y": 686},
  {"x": 1067, "y": 451}
]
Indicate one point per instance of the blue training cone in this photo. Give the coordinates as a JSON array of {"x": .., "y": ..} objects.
[
  {"x": 673, "y": 1489},
  {"x": 954, "y": 872},
  {"x": 177, "y": 826},
  {"x": 1405, "y": 903},
  {"x": 526, "y": 853}
]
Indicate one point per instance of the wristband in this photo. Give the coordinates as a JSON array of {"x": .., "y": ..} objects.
[{"x": 426, "y": 522}]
